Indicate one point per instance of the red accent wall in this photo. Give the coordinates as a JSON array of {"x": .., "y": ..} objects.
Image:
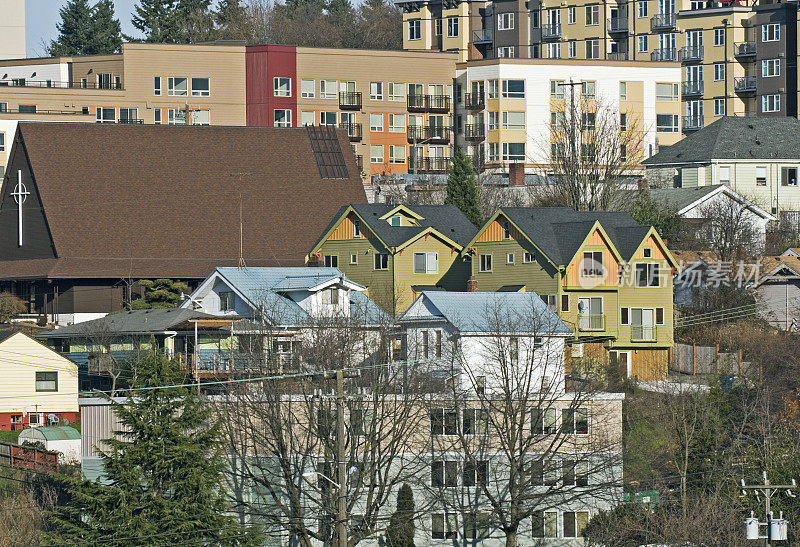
[
  {"x": 5, "y": 418},
  {"x": 262, "y": 64}
]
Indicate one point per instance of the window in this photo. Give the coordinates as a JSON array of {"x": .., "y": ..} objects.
[
  {"x": 486, "y": 263},
  {"x": 505, "y": 52},
  {"x": 106, "y": 115},
  {"x": 719, "y": 37},
  {"x": 443, "y": 526},
  {"x": 719, "y": 107},
  {"x": 328, "y": 89},
  {"x": 46, "y": 381},
  {"x": 283, "y": 117},
  {"x": 647, "y": 275},
  {"x": 659, "y": 316},
  {"x": 156, "y": 85},
  {"x": 282, "y": 87},
  {"x": 444, "y": 422},
  {"x": 770, "y": 68},
  {"x": 157, "y": 116},
  {"x": 513, "y": 89},
  {"x": 543, "y": 421},
  {"x": 395, "y": 221},
  {"x": 201, "y": 87},
  {"x": 667, "y": 123},
  {"x": 376, "y": 122},
  {"x": 426, "y": 263},
  {"x": 623, "y": 121},
  {"x": 506, "y": 230},
  {"x": 437, "y": 26},
  {"x": 103, "y": 81},
  {"x": 545, "y": 524},
  {"x": 475, "y": 474},
  {"x": 571, "y": 15},
  {"x": 307, "y": 89},
  {"x": 588, "y": 121},
  {"x": 176, "y": 116},
  {"x": 788, "y": 176},
  {"x": 494, "y": 151},
  {"x": 381, "y": 261},
  {"x": 26, "y": 109},
  {"x": 3, "y": 107},
  {"x": 556, "y": 89},
  {"x": 331, "y": 261},
  {"x": 475, "y": 421},
  {"x": 356, "y": 228},
  {"x": 593, "y": 48},
  {"x": 330, "y": 297},
  {"x": 572, "y": 49},
  {"x": 477, "y": 525},
  {"x": 397, "y": 91},
  {"x": 397, "y": 123},
  {"x": 505, "y": 21},
  {"x": 353, "y": 259},
  {"x": 592, "y": 265},
  {"x": 641, "y": 9},
  {"x": 557, "y": 121},
  {"x": 550, "y": 300},
  {"x": 128, "y": 115},
  {"x": 623, "y": 91},
  {"x": 444, "y": 474},
  {"x": 510, "y": 258},
  {"x": 592, "y": 15},
  {"x": 452, "y": 27},
  {"x": 397, "y": 153},
  {"x": 177, "y": 87},
  {"x": 770, "y": 103},
  {"x": 513, "y": 151},
  {"x": 588, "y": 90},
  {"x": 761, "y": 176},
  {"x": 554, "y": 50},
  {"x": 623, "y": 152},
  {"x": 725, "y": 175},
  {"x": 513, "y": 120},
  {"x": 647, "y": 252},
  {"x": 414, "y": 29},
  {"x": 2, "y": 142},
  {"x": 574, "y": 523},
  {"x": 376, "y": 91},
  {"x": 624, "y": 318},
  {"x": 564, "y": 302},
  {"x": 307, "y": 118},
  {"x": 494, "y": 120},
  {"x": 719, "y": 72},
  {"x": 641, "y": 43},
  {"x": 575, "y": 420},
  {"x": 770, "y": 32}
]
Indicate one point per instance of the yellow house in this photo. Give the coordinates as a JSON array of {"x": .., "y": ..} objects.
[{"x": 37, "y": 385}]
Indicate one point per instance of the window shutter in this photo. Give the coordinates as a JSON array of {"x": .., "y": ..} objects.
[
  {"x": 564, "y": 302},
  {"x": 623, "y": 316},
  {"x": 659, "y": 316}
]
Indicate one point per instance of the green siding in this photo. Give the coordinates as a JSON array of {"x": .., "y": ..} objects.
[
  {"x": 452, "y": 275},
  {"x": 649, "y": 297},
  {"x": 535, "y": 276},
  {"x": 379, "y": 282}
]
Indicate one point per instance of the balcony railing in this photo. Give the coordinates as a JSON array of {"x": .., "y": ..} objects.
[
  {"x": 428, "y": 165},
  {"x": 643, "y": 333},
  {"x": 744, "y": 49},
  {"x": 591, "y": 321},
  {"x": 618, "y": 25},
  {"x": 618, "y": 56},
  {"x": 664, "y": 54},
  {"x": 475, "y": 101},
  {"x": 663, "y": 21},
  {"x": 130, "y": 121},
  {"x": 692, "y": 88},
  {"x": 478, "y": 161},
  {"x": 481, "y": 37},
  {"x": 691, "y": 54},
  {"x": 551, "y": 31},
  {"x": 745, "y": 84},
  {"x": 350, "y": 100},
  {"x": 474, "y": 132},
  {"x": 353, "y": 130},
  {"x": 428, "y": 103},
  {"x": 435, "y": 134},
  {"x": 22, "y": 82},
  {"x": 692, "y": 123}
]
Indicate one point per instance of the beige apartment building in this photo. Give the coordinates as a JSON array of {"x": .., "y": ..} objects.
[{"x": 737, "y": 58}]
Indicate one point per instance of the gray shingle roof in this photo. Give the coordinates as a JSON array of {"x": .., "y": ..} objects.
[
  {"x": 130, "y": 322},
  {"x": 732, "y": 138},
  {"x": 674, "y": 199}
]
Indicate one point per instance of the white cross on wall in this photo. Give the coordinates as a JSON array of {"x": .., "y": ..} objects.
[{"x": 20, "y": 194}]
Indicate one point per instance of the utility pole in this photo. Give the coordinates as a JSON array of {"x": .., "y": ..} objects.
[
  {"x": 769, "y": 490},
  {"x": 341, "y": 512}
]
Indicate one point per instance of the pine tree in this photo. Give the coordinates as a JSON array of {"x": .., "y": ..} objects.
[
  {"x": 400, "y": 532},
  {"x": 74, "y": 30},
  {"x": 231, "y": 19},
  {"x": 462, "y": 188},
  {"x": 163, "y": 472},
  {"x": 106, "y": 32},
  {"x": 158, "y": 20}
]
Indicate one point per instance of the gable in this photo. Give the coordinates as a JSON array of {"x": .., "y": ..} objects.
[
  {"x": 595, "y": 241},
  {"x": 345, "y": 229},
  {"x": 495, "y": 232},
  {"x": 658, "y": 252}
]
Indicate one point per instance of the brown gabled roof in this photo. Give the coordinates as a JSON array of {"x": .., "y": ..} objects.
[
  {"x": 163, "y": 201},
  {"x": 771, "y": 264}
]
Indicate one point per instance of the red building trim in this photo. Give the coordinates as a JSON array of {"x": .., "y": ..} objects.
[
  {"x": 7, "y": 425},
  {"x": 262, "y": 65}
]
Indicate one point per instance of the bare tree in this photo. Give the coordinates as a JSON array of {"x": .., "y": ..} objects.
[{"x": 730, "y": 230}]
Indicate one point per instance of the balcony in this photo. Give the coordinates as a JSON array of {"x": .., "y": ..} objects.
[
  {"x": 692, "y": 123},
  {"x": 643, "y": 333},
  {"x": 350, "y": 100},
  {"x": 692, "y": 88},
  {"x": 475, "y": 101},
  {"x": 691, "y": 54},
  {"x": 618, "y": 25},
  {"x": 618, "y": 56},
  {"x": 428, "y": 165},
  {"x": 474, "y": 132},
  {"x": 130, "y": 121},
  {"x": 428, "y": 103},
  {"x": 744, "y": 49},
  {"x": 23, "y": 82},
  {"x": 436, "y": 134},
  {"x": 551, "y": 31},
  {"x": 591, "y": 321},
  {"x": 353, "y": 131},
  {"x": 664, "y": 54},
  {"x": 663, "y": 21},
  {"x": 478, "y": 161},
  {"x": 481, "y": 37},
  {"x": 745, "y": 84}
]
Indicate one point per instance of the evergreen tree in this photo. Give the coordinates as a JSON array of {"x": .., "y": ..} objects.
[
  {"x": 74, "y": 30},
  {"x": 231, "y": 19},
  {"x": 163, "y": 472},
  {"x": 462, "y": 188},
  {"x": 161, "y": 293},
  {"x": 106, "y": 32},
  {"x": 158, "y": 20},
  {"x": 400, "y": 532}
]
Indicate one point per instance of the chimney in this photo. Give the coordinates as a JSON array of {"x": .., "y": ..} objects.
[
  {"x": 472, "y": 284},
  {"x": 642, "y": 184},
  {"x": 516, "y": 174}
]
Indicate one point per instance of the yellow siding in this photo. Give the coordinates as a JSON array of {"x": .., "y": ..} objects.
[
  {"x": 494, "y": 232},
  {"x": 345, "y": 230},
  {"x": 20, "y": 358},
  {"x": 658, "y": 252},
  {"x": 574, "y": 277}
]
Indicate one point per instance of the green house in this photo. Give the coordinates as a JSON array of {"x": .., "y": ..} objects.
[
  {"x": 397, "y": 251},
  {"x": 608, "y": 277}
]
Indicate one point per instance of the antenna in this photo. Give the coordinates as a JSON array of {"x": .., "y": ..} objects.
[{"x": 241, "y": 265}]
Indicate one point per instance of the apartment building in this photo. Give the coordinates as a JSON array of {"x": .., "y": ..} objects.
[
  {"x": 395, "y": 126},
  {"x": 12, "y": 29},
  {"x": 736, "y": 58},
  {"x": 507, "y": 109}
]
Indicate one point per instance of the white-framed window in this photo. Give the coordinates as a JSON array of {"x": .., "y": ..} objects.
[
  {"x": 623, "y": 91},
  {"x": 557, "y": 120},
  {"x": 641, "y": 9},
  {"x": 574, "y": 523},
  {"x": 381, "y": 261},
  {"x": 156, "y": 85},
  {"x": 353, "y": 258},
  {"x": 2, "y": 141},
  {"x": 545, "y": 524},
  {"x": 572, "y": 49},
  {"x": 592, "y": 48},
  {"x": 200, "y": 117},
  {"x": 307, "y": 88},
  {"x": 575, "y": 421},
  {"x": 666, "y": 91},
  {"x": 725, "y": 175},
  {"x": 307, "y": 117},
  {"x": 177, "y": 86},
  {"x": 641, "y": 43},
  {"x": 592, "y": 15},
  {"x": 452, "y": 27},
  {"x": 513, "y": 119},
  {"x": 572, "y": 15},
  {"x": 770, "y": 32},
  {"x": 283, "y": 117},
  {"x": 201, "y": 87},
  {"x": 106, "y": 114},
  {"x": 556, "y": 89},
  {"x": 623, "y": 152},
  {"x": 513, "y": 89},
  {"x": 486, "y": 263},
  {"x": 426, "y": 263},
  {"x": 647, "y": 275},
  {"x": 770, "y": 103},
  {"x": 719, "y": 107},
  {"x": 667, "y": 123},
  {"x": 437, "y": 26},
  {"x": 4, "y": 107},
  {"x": 719, "y": 37},
  {"x": 327, "y": 118},
  {"x": 588, "y": 90},
  {"x": 719, "y": 72},
  {"x": 397, "y": 123},
  {"x": 331, "y": 261},
  {"x": 509, "y": 258},
  {"x": 397, "y": 91},
  {"x": 282, "y": 86},
  {"x": 623, "y": 121},
  {"x": 592, "y": 264},
  {"x": 47, "y": 381},
  {"x": 414, "y": 29},
  {"x": 770, "y": 68},
  {"x": 376, "y": 122},
  {"x": 505, "y": 21},
  {"x": 328, "y": 89},
  {"x": 493, "y": 89},
  {"x": 376, "y": 153},
  {"x": 493, "y": 120},
  {"x": 505, "y": 52},
  {"x": 513, "y": 151},
  {"x": 444, "y": 526},
  {"x": 554, "y": 50},
  {"x": 761, "y": 176},
  {"x": 376, "y": 91},
  {"x": 397, "y": 153},
  {"x": 157, "y": 116},
  {"x": 494, "y": 152},
  {"x": 176, "y": 116}
]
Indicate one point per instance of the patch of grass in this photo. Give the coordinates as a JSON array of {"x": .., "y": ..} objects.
[{"x": 10, "y": 436}]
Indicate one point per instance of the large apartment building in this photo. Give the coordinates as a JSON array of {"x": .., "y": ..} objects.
[{"x": 736, "y": 58}]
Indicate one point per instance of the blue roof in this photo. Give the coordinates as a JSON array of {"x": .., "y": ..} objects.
[{"x": 488, "y": 312}]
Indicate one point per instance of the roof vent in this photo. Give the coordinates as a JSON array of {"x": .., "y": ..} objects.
[{"x": 750, "y": 126}]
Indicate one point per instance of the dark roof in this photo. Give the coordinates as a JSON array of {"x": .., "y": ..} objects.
[
  {"x": 130, "y": 322},
  {"x": 560, "y": 231},
  {"x": 733, "y": 137},
  {"x": 163, "y": 201},
  {"x": 674, "y": 199}
]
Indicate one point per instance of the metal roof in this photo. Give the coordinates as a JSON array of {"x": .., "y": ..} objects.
[
  {"x": 130, "y": 322},
  {"x": 50, "y": 433}
]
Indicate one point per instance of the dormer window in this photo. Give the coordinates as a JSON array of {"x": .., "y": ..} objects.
[
  {"x": 225, "y": 301},
  {"x": 330, "y": 296},
  {"x": 395, "y": 220},
  {"x": 356, "y": 228}
]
